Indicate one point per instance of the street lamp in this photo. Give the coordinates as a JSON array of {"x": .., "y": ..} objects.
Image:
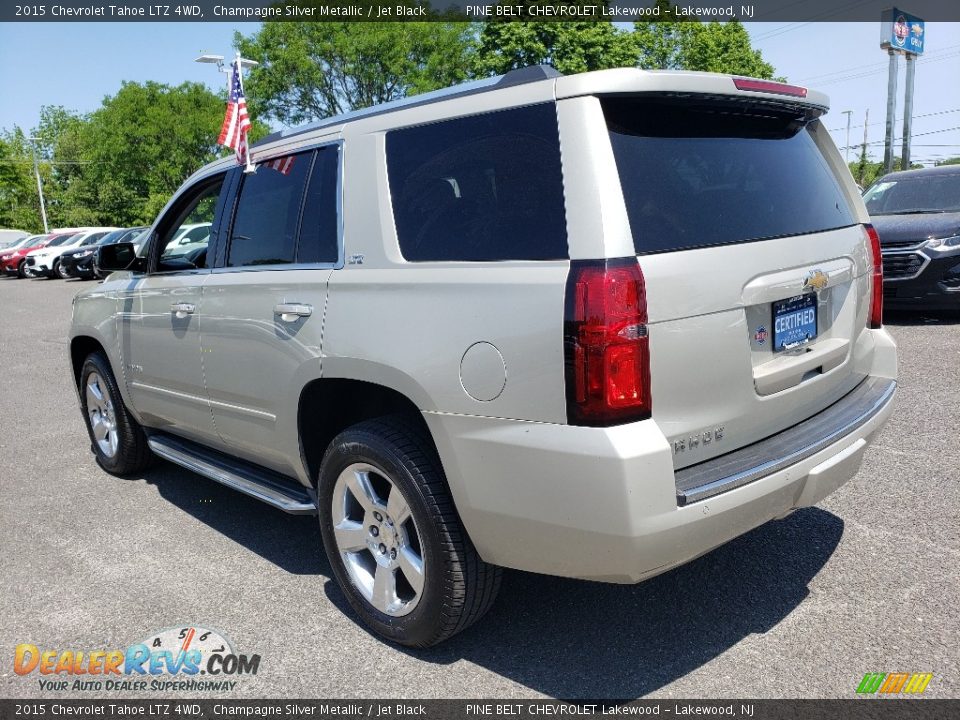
[{"x": 36, "y": 171}]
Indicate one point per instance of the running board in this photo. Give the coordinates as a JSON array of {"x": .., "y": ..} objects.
[{"x": 272, "y": 488}]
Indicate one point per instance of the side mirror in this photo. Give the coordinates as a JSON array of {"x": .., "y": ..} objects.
[{"x": 110, "y": 258}]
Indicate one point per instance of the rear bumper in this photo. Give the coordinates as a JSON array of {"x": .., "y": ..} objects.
[{"x": 602, "y": 503}]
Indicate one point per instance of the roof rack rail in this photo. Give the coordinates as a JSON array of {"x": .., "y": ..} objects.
[{"x": 521, "y": 76}]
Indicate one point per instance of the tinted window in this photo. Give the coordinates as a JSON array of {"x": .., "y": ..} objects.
[
  {"x": 696, "y": 174},
  {"x": 319, "y": 232},
  {"x": 265, "y": 225},
  {"x": 92, "y": 239},
  {"x": 933, "y": 192},
  {"x": 487, "y": 187}
]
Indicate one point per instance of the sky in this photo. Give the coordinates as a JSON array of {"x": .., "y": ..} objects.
[{"x": 77, "y": 64}]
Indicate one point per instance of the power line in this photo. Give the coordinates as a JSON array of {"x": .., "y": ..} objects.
[
  {"x": 876, "y": 65},
  {"x": 899, "y": 120},
  {"x": 915, "y": 135},
  {"x": 924, "y": 61}
]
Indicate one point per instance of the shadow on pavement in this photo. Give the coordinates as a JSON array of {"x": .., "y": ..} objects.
[
  {"x": 291, "y": 542},
  {"x": 571, "y": 639}
]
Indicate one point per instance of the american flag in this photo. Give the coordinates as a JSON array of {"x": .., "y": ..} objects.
[
  {"x": 282, "y": 165},
  {"x": 236, "y": 123}
]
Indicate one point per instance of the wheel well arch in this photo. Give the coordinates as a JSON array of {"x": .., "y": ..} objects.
[
  {"x": 354, "y": 401},
  {"x": 80, "y": 348}
]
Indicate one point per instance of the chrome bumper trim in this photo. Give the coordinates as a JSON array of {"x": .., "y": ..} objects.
[{"x": 741, "y": 467}]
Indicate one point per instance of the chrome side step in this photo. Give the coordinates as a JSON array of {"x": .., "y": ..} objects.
[{"x": 265, "y": 485}]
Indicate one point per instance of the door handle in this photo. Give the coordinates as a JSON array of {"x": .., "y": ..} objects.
[
  {"x": 182, "y": 309},
  {"x": 289, "y": 312}
]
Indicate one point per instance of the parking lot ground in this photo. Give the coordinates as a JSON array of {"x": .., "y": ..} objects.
[{"x": 803, "y": 607}]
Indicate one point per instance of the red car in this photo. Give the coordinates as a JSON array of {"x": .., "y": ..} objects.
[{"x": 11, "y": 258}]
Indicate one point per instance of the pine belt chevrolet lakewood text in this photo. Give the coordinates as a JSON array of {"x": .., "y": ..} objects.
[{"x": 590, "y": 326}]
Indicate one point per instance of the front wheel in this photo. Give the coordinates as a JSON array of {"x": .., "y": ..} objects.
[
  {"x": 60, "y": 270},
  {"x": 116, "y": 438},
  {"x": 393, "y": 537}
]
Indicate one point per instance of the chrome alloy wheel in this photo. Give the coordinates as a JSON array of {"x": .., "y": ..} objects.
[
  {"x": 378, "y": 540},
  {"x": 100, "y": 412}
]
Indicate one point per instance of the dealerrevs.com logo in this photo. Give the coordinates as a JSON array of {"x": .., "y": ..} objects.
[{"x": 187, "y": 659}]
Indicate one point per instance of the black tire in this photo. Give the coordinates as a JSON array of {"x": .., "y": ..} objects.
[
  {"x": 21, "y": 270},
  {"x": 458, "y": 587},
  {"x": 54, "y": 270},
  {"x": 132, "y": 453},
  {"x": 61, "y": 271}
]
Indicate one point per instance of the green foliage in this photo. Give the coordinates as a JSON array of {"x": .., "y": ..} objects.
[
  {"x": 949, "y": 161},
  {"x": 685, "y": 44},
  {"x": 570, "y": 47},
  {"x": 866, "y": 173},
  {"x": 311, "y": 70}
]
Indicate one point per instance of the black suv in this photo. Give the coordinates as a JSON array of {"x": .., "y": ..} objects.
[{"x": 917, "y": 215}]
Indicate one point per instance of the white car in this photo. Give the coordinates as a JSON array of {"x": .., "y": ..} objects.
[{"x": 45, "y": 261}]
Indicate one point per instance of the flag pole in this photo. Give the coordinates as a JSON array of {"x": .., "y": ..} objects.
[{"x": 246, "y": 141}]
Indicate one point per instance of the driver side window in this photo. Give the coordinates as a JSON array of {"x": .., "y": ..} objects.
[{"x": 184, "y": 239}]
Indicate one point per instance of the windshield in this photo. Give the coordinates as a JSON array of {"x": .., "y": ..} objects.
[
  {"x": 111, "y": 237},
  {"x": 28, "y": 241},
  {"x": 63, "y": 239},
  {"x": 917, "y": 194}
]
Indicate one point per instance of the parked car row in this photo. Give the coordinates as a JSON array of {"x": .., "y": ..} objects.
[{"x": 64, "y": 252}]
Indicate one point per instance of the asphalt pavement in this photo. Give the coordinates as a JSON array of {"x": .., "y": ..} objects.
[{"x": 869, "y": 581}]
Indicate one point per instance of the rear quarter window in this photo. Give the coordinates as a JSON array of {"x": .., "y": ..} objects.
[
  {"x": 482, "y": 188},
  {"x": 707, "y": 172}
]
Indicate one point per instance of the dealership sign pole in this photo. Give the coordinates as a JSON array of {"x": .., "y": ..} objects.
[{"x": 900, "y": 33}]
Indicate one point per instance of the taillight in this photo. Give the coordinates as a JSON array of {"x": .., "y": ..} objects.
[
  {"x": 875, "y": 319},
  {"x": 606, "y": 348},
  {"x": 769, "y": 86}
]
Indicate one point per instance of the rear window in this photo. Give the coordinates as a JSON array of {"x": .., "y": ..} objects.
[
  {"x": 481, "y": 188},
  {"x": 702, "y": 173}
]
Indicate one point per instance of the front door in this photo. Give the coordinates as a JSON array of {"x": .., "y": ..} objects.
[{"x": 160, "y": 319}]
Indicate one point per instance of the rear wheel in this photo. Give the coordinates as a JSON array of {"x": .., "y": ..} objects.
[
  {"x": 393, "y": 537},
  {"x": 116, "y": 438}
]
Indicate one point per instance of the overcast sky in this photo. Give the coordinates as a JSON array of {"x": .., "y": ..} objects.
[{"x": 77, "y": 64}]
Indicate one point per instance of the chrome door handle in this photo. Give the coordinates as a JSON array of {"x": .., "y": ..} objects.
[
  {"x": 289, "y": 312},
  {"x": 182, "y": 309}
]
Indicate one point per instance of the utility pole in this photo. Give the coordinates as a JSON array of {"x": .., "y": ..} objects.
[
  {"x": 36, "y": 171},
  {"x": 846, "y": 155},
  {"x": 891, "y": 112},
  {"x": 908, "y": 111},
  {"x": 863, "y": 148}
]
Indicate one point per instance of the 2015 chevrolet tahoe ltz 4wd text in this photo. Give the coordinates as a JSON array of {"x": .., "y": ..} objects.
[{"x": 591, "y": 326}]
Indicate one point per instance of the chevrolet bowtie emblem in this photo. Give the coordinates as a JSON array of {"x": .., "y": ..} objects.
[{"x": 817, "y": 279}]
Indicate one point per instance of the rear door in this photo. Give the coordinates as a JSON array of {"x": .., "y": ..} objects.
[
  {"x": 263, "y": 305},
  {"x": 757, "y": 270}
]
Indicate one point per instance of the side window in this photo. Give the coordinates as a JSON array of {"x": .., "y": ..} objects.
[
  {"x": 481, "y": 188},
  {"x": 183, "y": 238},
  {"x": 264, "y": 228},
  {"x": 319, "y": 229}
]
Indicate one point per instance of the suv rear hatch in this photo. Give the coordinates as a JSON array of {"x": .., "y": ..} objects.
[{"x": 758, "y": 275}]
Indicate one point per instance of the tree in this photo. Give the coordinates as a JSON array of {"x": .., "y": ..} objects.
[
  {"x": 948, "y": 161},
  {"x": 570, "y": 47},
  {"x": 682, "y": 44},
  {"x": 135, "y": 151},
  {"x": 309, "y": 71}
]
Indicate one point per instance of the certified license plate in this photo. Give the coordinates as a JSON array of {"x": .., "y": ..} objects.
[{"x": 794, "y": 322}]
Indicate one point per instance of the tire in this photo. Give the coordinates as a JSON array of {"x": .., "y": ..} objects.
[
  {"x": 119, "y": 443},
  {"x": 54, "y": 270},
  {"x": 456, "y": 587},
  {"x": 61, "y": 271},
  {"x": 22, "y": 269}
]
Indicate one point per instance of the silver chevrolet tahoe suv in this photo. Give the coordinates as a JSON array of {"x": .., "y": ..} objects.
[{"x": 590, "y": 326}]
